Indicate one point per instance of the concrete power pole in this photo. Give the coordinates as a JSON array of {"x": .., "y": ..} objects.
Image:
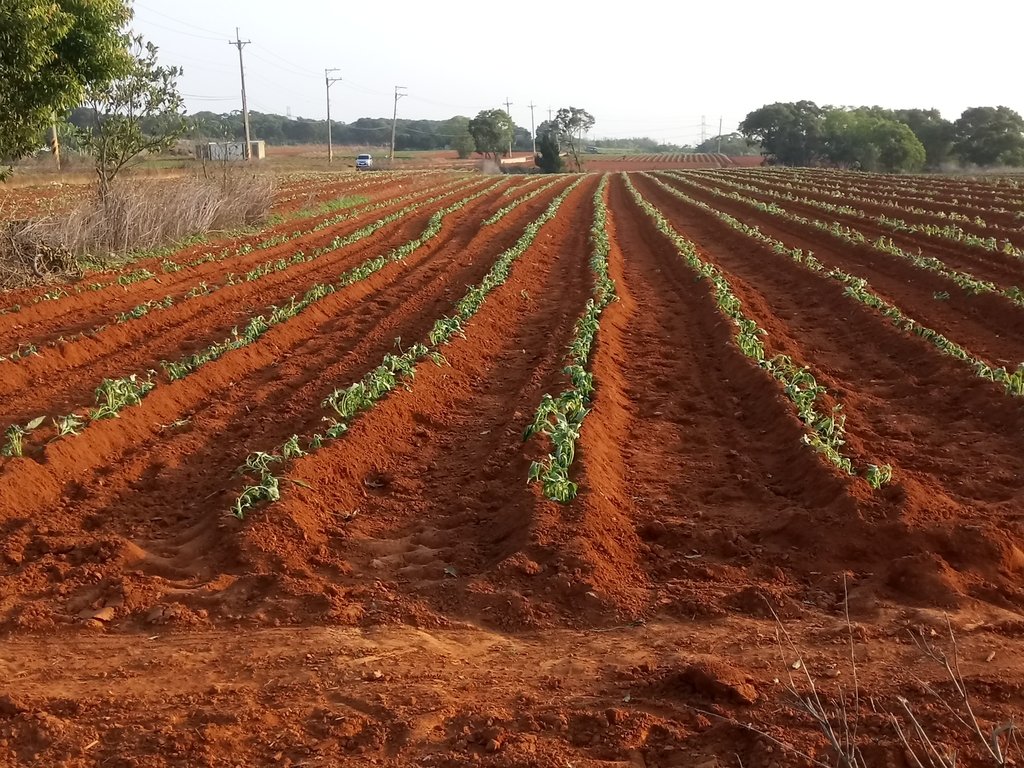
[
  {"x": 330, "y": 81},
  {"x": 394, "y": 119},
  {"x": 533, "y": 129},
  {"x": 508, "y": 111},
  {"x": 240, "y": 44},
  {"x": 719, "y": 135}
]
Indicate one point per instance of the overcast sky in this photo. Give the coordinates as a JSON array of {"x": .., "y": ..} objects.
[{"x": 643, "y": 68}]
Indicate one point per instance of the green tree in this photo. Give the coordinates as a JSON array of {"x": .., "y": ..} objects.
[
  {"x": 139, "y": 112},
  {"x": 990, "y": 136},
  {"x": 50, "y": 52},
  {"x": 549, "y": 158},
  {"x": 790, "y": 133},
  {"x": 864, "y": 139},
  {"x": 572, "y": 123},
  {"x": 491, "y": 130},
  {"x": 933, "y": 131},
  {"x": 457, "y": 129}
]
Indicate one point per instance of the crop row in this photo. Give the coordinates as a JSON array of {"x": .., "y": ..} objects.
[
  {"x": 113, "y": 395},
  {"x": 342, "y": 209},
  {"x": 350, "y": 401},
  {"x": 561, "y": 418},
  {"x": 824, "y": 432},
  {"x": 950, "y": 231},
  {"x": 958, "y": 202},
  {"x": 964, "y": 280},
  {"x": 895, "y": 204},
  {"x": 859, "y": 289},
  {"x": 255, "y": 273}
]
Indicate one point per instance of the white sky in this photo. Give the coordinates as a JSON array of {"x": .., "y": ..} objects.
[{"x": 640, "y": 67}]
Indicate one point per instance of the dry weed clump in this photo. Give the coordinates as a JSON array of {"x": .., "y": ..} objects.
[{"x": 133, "y": 216}]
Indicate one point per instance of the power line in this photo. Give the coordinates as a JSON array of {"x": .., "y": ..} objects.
[
  {"x": 179, "y": 31},
  {"x": 279, "y": 66},
  {"x": 179, "y": 21},
  {"x": 292, "y": 64}
]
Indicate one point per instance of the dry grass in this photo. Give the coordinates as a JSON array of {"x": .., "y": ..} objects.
[{"x": 135, "y": 216}]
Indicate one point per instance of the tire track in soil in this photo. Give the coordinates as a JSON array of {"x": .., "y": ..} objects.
[
  {"x": 948, "y": 524},
  {"x": 988, "y": 325},
  {"x": 446, "y": 520},
  {"x": 57, "y": 385},
  {"x": 144, "y": 506},
  {"x": 49, "y": 320},
  {"x": 695, "y": 446},
  {"x": 1003, "y": 270}
]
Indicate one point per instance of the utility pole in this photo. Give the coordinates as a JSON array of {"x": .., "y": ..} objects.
[
  {"x": 240, "y": 44},
  {"x": 394, "y": 119},
  {"x": 508, "y": 111},
  {"x": 533, "y": 129},
  {"x": 55, "y": 142},
  {"x": 330, "y": 81},
  {"x": 719, "y": 135},
  {"x": 549, "y": 114}
]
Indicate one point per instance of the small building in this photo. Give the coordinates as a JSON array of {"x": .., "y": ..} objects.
[{"x": 230, "y": 150}]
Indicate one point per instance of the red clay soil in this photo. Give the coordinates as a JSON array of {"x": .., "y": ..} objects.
[
  {"x": 64, "y": 379},
  {"x": 411, "y": 600},
  {"x": 46, "y": 321},
  {"x": 997, "y": 266},
  {"x": 613, "y": 164},
  {"x": 392, "y": 187},
  {"x": 989, "y": 325},
  {"x": 906, "y": 195},
  {"x": 896, "y": 411}
]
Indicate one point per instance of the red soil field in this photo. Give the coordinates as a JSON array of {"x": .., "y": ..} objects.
[{"x": 410, "y": 598}]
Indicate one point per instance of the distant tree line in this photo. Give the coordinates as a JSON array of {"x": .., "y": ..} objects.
[
  {"x": 452, "y": 133},
  {"x": 879, "y": 139}
]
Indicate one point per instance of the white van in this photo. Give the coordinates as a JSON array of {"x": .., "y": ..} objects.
[{"x": 363, "y": 162}]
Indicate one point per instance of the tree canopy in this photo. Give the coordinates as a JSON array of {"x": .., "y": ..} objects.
[
  {"x": 491, "y": 130},
  {"x": 549, "y": 158},
  {"x": 572, "y": 124},
  {"x": 51, "y": 51},
  {"x": 875, "y": 138},
  {"x": 990, "y": 136},
  {"x": 141, "y": 111}
]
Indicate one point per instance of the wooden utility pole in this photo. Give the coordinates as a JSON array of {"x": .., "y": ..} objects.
[
  {"x": 55, "y": 143},
  {"x": 330, "y": 81},
  {"x": 240, "y": 44},
  {"x": 533, "y": 129},
  {"x": 508, "y": 111},
  {"x": 394, "y": 119}
]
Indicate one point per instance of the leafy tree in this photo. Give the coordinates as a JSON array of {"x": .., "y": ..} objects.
[
  {"x": 50, "y": 52},
  {"x": 933, "y": 131},
  {"x": 989, "y": 136},
  {"x": 549, "y": 158},
  {"x": 491, "y": 130},
  {"x": 788, "y": 132},
  {"x": 862, "y": 138},
  {"x": 572, "y": 123},
  {"x": 457, "y": 128},
  {"x": 138, "y": 112}
]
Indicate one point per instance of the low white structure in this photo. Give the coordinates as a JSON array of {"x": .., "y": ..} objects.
[{"x": 230, "y": 150}]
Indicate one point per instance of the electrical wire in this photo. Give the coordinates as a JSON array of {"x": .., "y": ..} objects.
[{"x": 178, "y": 21}]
